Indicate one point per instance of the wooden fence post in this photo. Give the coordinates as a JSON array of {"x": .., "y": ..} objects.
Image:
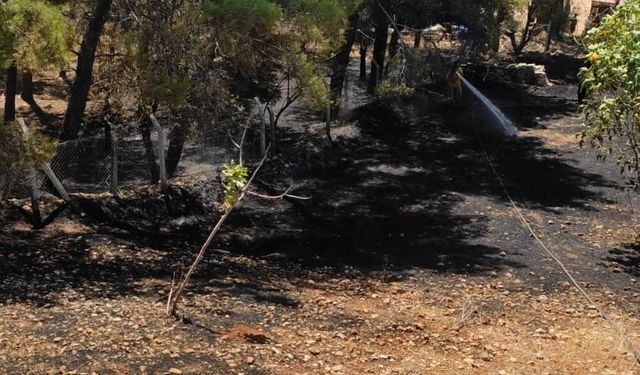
[
  {"x": 263, "y": 126},
  {"x": 547, "y": 40},
  {"x": 33, "y": 179},
  {"x": 161, "y": 152},
  {"x": 114, "y": 164},
  {"x": 56, "y": 182}
]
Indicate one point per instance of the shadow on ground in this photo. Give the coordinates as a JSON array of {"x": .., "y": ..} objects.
[
  {"x": 628, "y": 257},
  {"x": 391, "y": 201},
  {"x": 388, "y": 201}
]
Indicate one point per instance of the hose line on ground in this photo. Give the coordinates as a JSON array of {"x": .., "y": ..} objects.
[{"x": 628, "y": 343}]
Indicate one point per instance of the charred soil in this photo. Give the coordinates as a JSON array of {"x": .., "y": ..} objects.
[{"x": 407, "y": 260}]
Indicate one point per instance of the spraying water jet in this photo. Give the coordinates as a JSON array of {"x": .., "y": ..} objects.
[{"x": 499, "y": 121}]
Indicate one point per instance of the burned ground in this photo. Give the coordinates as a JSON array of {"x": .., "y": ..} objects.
[{"x": 407, "y": 259}]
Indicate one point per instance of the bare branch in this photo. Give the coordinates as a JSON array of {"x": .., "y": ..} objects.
[
  {"x": 278, "y": 197},
  {"x": 173, "y": 304}
]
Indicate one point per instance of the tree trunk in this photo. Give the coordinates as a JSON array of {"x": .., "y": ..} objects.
[
  {"x": 394, "y": 44},
  {"x": 340, "y": 63},
  {"x": 417, "y": 38},
  {"x": 27, "y": 87},
  {"x": 364, "y": 47},
  {"x": 379, "y": 49},
  {"x": 84, "y": 71},
  {"x": 273, "y": 136},
  {"x": 527, "y": 33},
  {"x": 27, "y": 96},
  {"x": 177, "y": 138},
  {"x": 10, "y": 92},
  {"x": 547, "y": 40}
]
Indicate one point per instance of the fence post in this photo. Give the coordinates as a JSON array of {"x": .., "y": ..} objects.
[
  {"x": 56, "y": 182},
  {"x": 345, "y": 97},
  {"x": 114, "y": 164},
  {"x": 327, "y": 126},
  {"x": 33, "y": 180},
  {"x": 547, "y": 40},
  {"x": 263, "y": 126},
  {"x": 161, "y": 153},
  {"x": 8, "y": 186}
]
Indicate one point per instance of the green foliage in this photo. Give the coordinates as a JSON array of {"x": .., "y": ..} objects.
[
  {"x": 234, "y": 179},
  {"x": 290, "y": 41},
  {"x": 160, "y": 54},
  {"x": 318, "y": 23},
  {"x": 243, "y": 16},
  {"x": 420, "y": 68},
  {"x": 388, "y": 91},
  {"x": 309, "y": 80},
  {"x": 164, "y": 88},
  {"x": 17, "y": 154},
  {"x": 612, "y": 114},
  {"x": 33, "y": 33},
  {"x": 487, "y": 19}
]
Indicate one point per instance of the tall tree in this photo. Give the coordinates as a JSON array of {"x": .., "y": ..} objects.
[
  {"x": 394, "y": 45},
  {"x": 363, "y": 42},
  {"x": 419, "y": 14},
  {"x": 551, "y": 15},
  {"x": 527, "y": 31},
  {"x": 379, "y": 50},
  {"x": 340, "y": 61},
  {"x": 382, "y": 12},
  {"x": 33, "y": 36},
  {"x": 485, "y": 20},
  {"x": 79, "y": 93}
]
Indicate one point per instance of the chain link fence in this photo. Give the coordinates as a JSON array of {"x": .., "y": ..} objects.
[{"x": 117, "y": 159}]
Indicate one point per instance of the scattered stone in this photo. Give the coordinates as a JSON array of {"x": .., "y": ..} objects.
[
  {"x": 314, "y": 351},
  {"x": 468, "y": 361},
  {"x": 337, "y": 368},
  {"x": 275, "y": 256}
]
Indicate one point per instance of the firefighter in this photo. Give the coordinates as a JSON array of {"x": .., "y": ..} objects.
[{"x": 455, "y": 84}]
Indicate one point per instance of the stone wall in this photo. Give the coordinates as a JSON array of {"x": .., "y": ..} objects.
[{"x": 520, "y": 74}]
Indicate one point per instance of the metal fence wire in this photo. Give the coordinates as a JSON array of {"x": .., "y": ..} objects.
[{"x": 86, "y": 165}]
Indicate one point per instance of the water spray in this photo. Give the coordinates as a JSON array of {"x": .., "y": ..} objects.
[{"x": 499, "y": 122}]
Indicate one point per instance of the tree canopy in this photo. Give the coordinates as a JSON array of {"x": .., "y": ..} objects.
[{"x": 33, "y": 33}]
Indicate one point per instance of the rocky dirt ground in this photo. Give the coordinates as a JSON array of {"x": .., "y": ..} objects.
[{"x": 408, "y": 259}]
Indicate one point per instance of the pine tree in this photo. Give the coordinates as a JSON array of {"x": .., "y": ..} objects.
[{"x": 33, "y": 37}]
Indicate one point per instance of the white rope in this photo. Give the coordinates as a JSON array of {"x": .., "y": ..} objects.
[{"x": 586, "y": 295}]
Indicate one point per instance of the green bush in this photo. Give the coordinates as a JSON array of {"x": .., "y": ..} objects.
[
  {"x": 612, "y": 114},
  {"x": 17, "y": 154}
]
